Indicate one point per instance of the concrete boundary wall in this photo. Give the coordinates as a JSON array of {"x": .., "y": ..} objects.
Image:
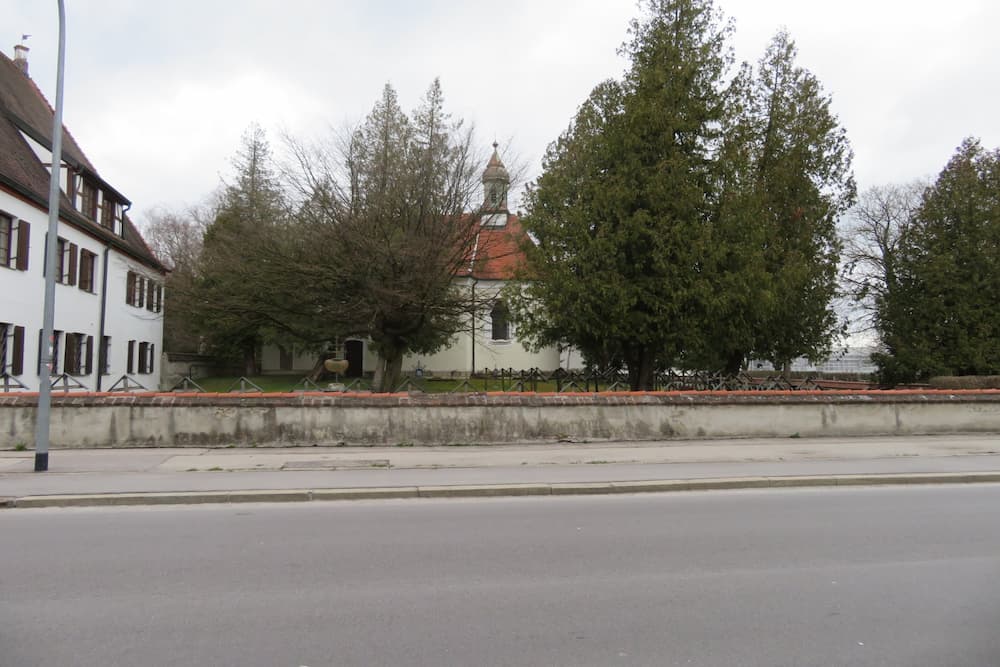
[{"x": 303, "y": 419}]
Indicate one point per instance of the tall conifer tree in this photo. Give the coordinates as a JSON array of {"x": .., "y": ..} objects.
[
  {"x": 622, "y": 213},
  {"x": 941, "y": 318},
  {"x": 788, "y": 164}
]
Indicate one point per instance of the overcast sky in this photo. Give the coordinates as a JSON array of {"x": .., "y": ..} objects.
[{"x": 158, "y": 93}]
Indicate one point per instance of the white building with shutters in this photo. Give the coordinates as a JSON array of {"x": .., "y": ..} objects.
[{"x": 109, "y": 294}]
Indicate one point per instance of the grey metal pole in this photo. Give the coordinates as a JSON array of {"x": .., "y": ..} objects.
[{"x": 49, "y": 312}]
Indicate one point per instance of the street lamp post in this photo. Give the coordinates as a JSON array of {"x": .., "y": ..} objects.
[{"x": 49, "y": 307}]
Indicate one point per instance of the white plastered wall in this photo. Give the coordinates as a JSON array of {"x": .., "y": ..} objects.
[{"x": 22, "y": 296}]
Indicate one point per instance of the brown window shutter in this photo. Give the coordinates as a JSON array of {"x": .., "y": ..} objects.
[
  {"x": 60, "y": 267},
  {"x": 130, "y": 289},
  {"x": 8, "y": 252},
  {"x": 70, "y": 355},
  {"x": 152, "y": 358},
  {"x": 17, "y": 357},
  {"x": 131, "y": 356},
  {"x": 71, "y": 278},
  {"x": 89, "y": 270},
  {"x": 150, "y": 294},
  {"x": 56, "y": 335},
  {"x": 23, "y": 243},
  {"x": 84, "y": 260},
  {"x": 140, "y": 292},
  {"x": 89, "y": 360}
]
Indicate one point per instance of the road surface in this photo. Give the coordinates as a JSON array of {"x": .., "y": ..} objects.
[{"x": 851, "y": 576}]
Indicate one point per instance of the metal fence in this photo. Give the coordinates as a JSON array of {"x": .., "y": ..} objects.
[
  {"x": 497, "y": 379},
  {"x": 617, "y": 380}
]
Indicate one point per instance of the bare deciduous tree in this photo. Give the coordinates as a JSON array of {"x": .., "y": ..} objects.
[
  {"x": 175, "y": 237},
  {"x": 390, "y": 218},
  {"x": 878, "y": 223}
]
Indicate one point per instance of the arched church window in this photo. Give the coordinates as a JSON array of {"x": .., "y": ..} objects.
[{"x": 500, "y": 318}]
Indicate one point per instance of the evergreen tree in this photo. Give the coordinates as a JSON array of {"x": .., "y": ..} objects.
[
  {"x": 622, "y": 213},
  {"x": 942, "y": 318},
  {"x": 800, "y": 183},
  {"x": 235, "y": 285}
]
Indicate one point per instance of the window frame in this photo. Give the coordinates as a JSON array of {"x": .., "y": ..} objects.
[
  {"x": 78, "y": 357},
  {"x": 56, "y": 337},
  {"x": 5, "y": 336},
  {"x": 500, "y": 322},
  {"x": 66, "y": 261},
  {"x": 136, "y": 286},
  {"x": 16, "y": 339},
  {"x": 87, "y": 276},
  {"x": 17, "y": 232},
  {"x": 7, "y": 240},
  {"x": 88, "y": 198},
  {"x": 72, "y": 354},
  {"x": 108, "y": 211},
  {"x": 11, "y": 349},
  {"x": 143, "y": 355}
]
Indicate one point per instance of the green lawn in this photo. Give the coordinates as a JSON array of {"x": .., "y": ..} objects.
[
  {"x": 285, "y": 383},
  {"x": 269, "y": 383}
]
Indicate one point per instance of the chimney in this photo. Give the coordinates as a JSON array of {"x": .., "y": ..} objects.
[{"x": 21, "y": 57}]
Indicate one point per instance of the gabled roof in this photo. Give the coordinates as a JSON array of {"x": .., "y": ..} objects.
[{"x": 23, "y": 108}]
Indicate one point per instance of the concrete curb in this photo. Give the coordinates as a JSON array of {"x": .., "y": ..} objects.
[{"x": 490, "y": 490}]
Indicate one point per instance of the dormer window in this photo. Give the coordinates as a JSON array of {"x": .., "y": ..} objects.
[
  {"x": 99, "y": 205},
  {"x": 108, "y": 212},
  {"x": 494, "y": 220},
  {"x": 111, "y": 214},
  {"x": 88, "y": 199}
]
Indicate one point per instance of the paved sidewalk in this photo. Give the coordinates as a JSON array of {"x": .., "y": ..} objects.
[{"x": 543, "y": 467}]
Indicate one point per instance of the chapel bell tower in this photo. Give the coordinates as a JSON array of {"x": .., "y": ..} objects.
[{"x": 496, "y": 181}]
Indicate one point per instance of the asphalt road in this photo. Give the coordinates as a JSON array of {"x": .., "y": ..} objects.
[{"x": 860, "y": 576}]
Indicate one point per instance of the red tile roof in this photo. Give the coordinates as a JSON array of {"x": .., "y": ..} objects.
[
  {"x": 23, "y": 108},
  {"x": 499, "y": 253}
]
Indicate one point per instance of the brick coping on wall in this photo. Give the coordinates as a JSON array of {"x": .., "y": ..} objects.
[{"x": 529, "y": 399}]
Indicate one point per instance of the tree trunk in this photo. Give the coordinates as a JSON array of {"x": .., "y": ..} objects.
[
  {"x": 640, "y": 369},
  {"x": 735, "y": 363},
  {"x": 388, "y": 372},
  {"x": 786, "y": 371},
  {"x": 250, "y": 360}
]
